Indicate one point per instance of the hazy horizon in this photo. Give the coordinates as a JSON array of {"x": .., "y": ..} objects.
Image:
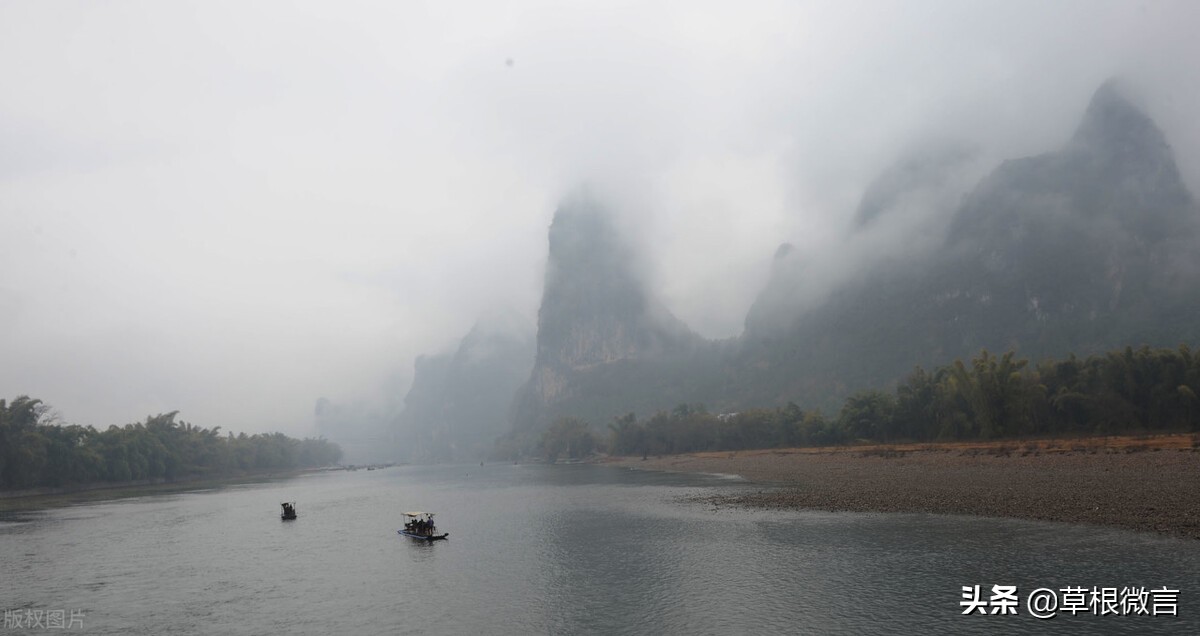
[{"x": 233, "y": 210}]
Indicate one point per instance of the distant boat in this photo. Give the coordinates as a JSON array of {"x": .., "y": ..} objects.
[
  {"x": 421, "y": 527},
  {"x": 289, "y": 511}
]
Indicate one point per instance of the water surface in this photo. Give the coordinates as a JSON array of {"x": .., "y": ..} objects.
[{"x": 577, "y": 549}]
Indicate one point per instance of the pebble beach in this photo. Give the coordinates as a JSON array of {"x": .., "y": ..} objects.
[{"x": 1147, "y": 487}]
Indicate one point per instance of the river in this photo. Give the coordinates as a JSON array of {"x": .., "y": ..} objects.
[{"x": 534, "y": 549}]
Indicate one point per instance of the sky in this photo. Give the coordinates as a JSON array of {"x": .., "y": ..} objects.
[{"x": 231, "y": 209}]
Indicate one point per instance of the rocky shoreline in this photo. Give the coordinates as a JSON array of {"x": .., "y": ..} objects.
[{"x": 1141, "y": 487}]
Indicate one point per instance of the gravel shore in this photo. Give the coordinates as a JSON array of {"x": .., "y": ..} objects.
[{"x": 1148, "y": 490}]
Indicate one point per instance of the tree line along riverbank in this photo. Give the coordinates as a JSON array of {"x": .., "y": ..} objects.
[
  {"x": 989, "y": 397},
  {"x": 36, "y": 451}
]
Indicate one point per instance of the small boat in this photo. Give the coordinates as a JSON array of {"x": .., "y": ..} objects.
[
  {"x": 289, "y": 511},
  {"x": 420, "y": 526}
]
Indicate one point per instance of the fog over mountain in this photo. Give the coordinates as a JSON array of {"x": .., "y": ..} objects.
[
  {"x": 1085, "y": 249},
  {"x": 459, "y": 401},
  {"x": 235, "y": 210},
  {"x": 1078, "y": 251},
  {"x": 598, "y": 322}
]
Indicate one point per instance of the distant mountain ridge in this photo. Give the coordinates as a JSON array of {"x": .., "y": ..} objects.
[
  {"x": 1082, "y": 250},
  {"x": 459, "y": 401}
]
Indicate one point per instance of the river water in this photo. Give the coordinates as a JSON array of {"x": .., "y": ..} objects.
[{"x": 576, "y": 549}]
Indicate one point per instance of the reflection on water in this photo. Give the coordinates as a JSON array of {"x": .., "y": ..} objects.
[{"x": 552, "y": 549}]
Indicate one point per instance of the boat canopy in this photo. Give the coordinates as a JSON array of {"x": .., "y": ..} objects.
[{"x": 418, "y": 514}]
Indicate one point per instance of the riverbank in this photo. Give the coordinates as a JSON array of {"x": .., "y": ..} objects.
[
  {"x": 1138, "y": 483},
  {"x": 38, "y": 498}
]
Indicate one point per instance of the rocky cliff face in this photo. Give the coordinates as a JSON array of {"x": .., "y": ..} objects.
[
  {"x": 1081, "y": 250},
  {"x": 596, "y": 316},
  {"x": 460, "y": 401},
  {"x": 1085, "y": 249},
  {"x": 1089, "y": 248},
  {"x": 1117, "y": 169}
]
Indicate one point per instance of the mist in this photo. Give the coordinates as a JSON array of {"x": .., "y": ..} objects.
[{"x": 233, "y": 210}]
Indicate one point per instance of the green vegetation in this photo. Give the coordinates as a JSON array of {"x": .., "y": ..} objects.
[
  {"x": 36, "y": 450},
  {"x": 1134, "y": 390},
  {"x": 568, "y": 436}
]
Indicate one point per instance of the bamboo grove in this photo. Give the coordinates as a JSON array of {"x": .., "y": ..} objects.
[
  {"x": 990, "y": 397},
  {"x": 36, "y": 450}
]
